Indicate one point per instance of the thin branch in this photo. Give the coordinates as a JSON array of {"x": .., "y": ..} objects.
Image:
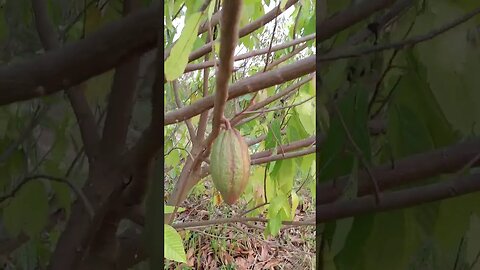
[
  {"x": 204, "y": 223},
  {"x": 280, "y": 107},
  {"x": 77, "y": 191},
  {"x": 356, "y": 52},
  {"x": 202, "y": 123},
  {"x": 83, "y": 112},
  {"x": 247, "y": 29},
  {"x": 407, "y": 170},
  {"x": 271, "y": 41},
  {"x": 72, "y": 64},
  {"x": 211, "y": 63},
  {"x": 283, "y": 156},
  {"x": 270, "y": 99},
  {"x": 399, "y": 199},
  {"x": 359, "y": 153},
  {"x": 245, "y": 86},
  {"x": 286, "y": 147},
  {"x": 191, "y": 129},
  {"x": 38, "y": 114},
  {"x": 284, "y": 58}
]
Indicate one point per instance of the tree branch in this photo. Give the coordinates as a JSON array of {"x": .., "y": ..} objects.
[
  {"x": 191, "y": 129},
  {"x": 228, "y": 41},
  {"x": 355, "y": 52},
  {"x": 247, "y": 29},
  {"x": 399, "y": 199},
  {"x": 416, "y": 167},
  {"x": 289, "y": 155},
  {"x": 295, "y": 86},
  {"x": 203, "y": 65},
  {"x": 121, "y": 100},
  {"x": 348, "y": 17},
  {"x": 245, "y": 86},
  {"x": 76, "y": 95},
  {"x": 71, "y": 65},
  {"x": 285, "y": 148}
]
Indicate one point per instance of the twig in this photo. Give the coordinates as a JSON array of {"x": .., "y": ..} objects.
[
  {"x": 191, "y": 129},
  {"x": 203, "y": 223},
  {"x": 38, "y": 114},
  {"x": 78, "y": 191},
  {"x": 283, "y": 156},
  {"x": 271, "y": 41},
  {"x": 280, "y": 108},
  {"x": 359, "y": 153},
  {"x": 211, "y": 63},
  {"x": 399, "y": 199},
  {"x": 400, "y": 44}
]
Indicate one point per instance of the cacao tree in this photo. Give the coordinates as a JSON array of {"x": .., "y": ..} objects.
[
  {"x": 240, "y": 118},
  {"x": 81, "y": 122},
  {"x": 398, "y": 110},
  {"x": 83, "y": 184}
]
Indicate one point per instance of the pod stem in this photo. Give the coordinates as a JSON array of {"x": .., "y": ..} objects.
[{"x": 226, "y": 122}]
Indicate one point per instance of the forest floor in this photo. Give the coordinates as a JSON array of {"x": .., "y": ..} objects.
[{"x": 242, "y": 246}]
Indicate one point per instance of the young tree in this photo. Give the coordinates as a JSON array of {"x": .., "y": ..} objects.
[
  {"x": 262, "y": 84},
  {"x": 77, "y": 171}
]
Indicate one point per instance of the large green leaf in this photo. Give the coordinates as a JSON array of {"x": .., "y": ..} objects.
[
  {"x": 178, "y": 58},
  {"x": 173, "y": 245},
  {"x": 451, "y": 66},
  {"x": 28, "y": 210}
]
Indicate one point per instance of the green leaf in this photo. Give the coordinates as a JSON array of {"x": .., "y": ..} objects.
[
  {"x": 273, "y": 226},
  {"x": 382, "y": 253},
  {"x": 306, "y": 113},
  {"x": 63, "y": 195},
  {"x": 283, "y": 4},
  {"x": 178, "y": 58},
  {"x": 295, "y": 129},
  {"x": 28, "y": 210},
  {"x": 169, "y": 209},
  {"x": 343, "y": 226},
  {"x": 451, "y": 66},
  {"x": 354, "y": 253},
  {"x": 211, "y": 9},
  {"x": 274, "y": 135},
  {"x": 173, "y": 245},
  {"x": 472, "y": 236},
  {"x": 295, "y": 201}
]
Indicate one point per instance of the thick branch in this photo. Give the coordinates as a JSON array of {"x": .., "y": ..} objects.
[
  {"x": 245, "y": 86},
  {"x": 122, "y": 99},
  {"x": 288, "y": 155},
  {"x": 228, "y": 41},
  {"x": 229, "y": 37},
  {"x": 407, "y": 170},
  {"x": 81, "y": 60},
  {"x": 285, "y": 148},
  {"x": 348, "y": 17},
  {"x": 83, "y": 113},
  {"x": 400, "y": 44},
  {"x": 399, "y": 199}
]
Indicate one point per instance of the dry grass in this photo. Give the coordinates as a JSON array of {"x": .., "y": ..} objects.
[{"x": 243, "y": 246}]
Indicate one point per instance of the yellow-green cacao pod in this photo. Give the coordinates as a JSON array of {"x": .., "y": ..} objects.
[{"x": 230, "y": 164}]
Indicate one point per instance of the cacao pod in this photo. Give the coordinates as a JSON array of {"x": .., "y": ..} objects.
[{"x": 230, "y": 164}]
